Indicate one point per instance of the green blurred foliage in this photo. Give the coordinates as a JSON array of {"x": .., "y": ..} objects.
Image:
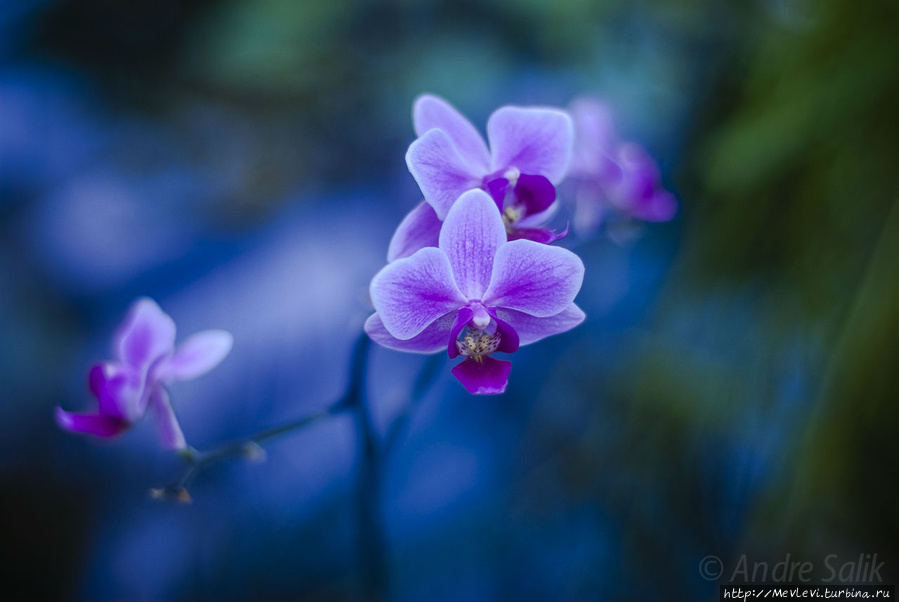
[
  {"x": 790, "y": 203},
  {"x": 270, "y": 46}
]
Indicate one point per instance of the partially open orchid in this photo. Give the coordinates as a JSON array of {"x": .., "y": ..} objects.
[
  {"x": 611, "y": 176},
  {"x": 146, "y": 361},
  {"x": 530, "y": 149},
  {"x": 476, "y": 293}
]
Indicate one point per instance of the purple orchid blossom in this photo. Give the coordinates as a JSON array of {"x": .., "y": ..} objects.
[
  {"x": 146, "y": 361},
  {"x": 476, "y": 293},
  {"x": 530, "y": 149},
  {"x": 611, "y": 175},
  {"x": 419, "y": 229}
]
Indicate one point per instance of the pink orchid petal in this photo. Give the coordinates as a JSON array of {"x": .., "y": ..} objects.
[
  {"x": 419, "y": 229},
  {"x": 433, "y": 112},
  {"x": 661, "y": 206},
  {"x": 146, "y": 334},
  {"x": 531, "y": 329},
  {"x": 432, "y": 339},
  {"x": 470, "y": 237},
  {"x": 196, "y": 356},
  {"x": 441, "y": 172},
  {"x": 595, "y": 139},
  {"x": 535, "y": 141},
  {"x": 590, "y": 207},
  {"x": 536, "y": 279},
  {"x": 410, "y": 293}
]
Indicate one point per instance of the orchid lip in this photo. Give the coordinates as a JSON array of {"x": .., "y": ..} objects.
[
  {"x": 479, "y": 336},
  {"x": 478, "y": 344},
  {"x": 479, "y": 333},
  {"x": 485, "y": 377}
]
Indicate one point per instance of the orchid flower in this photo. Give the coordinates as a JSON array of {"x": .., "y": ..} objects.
[
  {"x": 611, "y": 175},
  {"x": 146, "y": 361},
  {"x": 475, "y": 294},
  {"x": 530, "y": 149}
]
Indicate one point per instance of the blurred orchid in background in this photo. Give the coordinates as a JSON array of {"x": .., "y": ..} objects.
[
  {"x": 476, "y": 294},
  {"x": 530, "y": 149},
  {"x": 146, "y": 361},
  {"x": 611, "y": 176}
]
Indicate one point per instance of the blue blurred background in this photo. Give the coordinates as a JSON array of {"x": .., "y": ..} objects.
[{"x": 732, "y": 392}]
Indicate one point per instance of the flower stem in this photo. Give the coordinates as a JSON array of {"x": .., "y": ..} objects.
[
  {"x": 423, "y": 383},
  {"x": 372, "y": 541},
  {"x": 372, "y": 556},
  {"x": 250, "y": 446},
  {"x": 372, "y": 548}
]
